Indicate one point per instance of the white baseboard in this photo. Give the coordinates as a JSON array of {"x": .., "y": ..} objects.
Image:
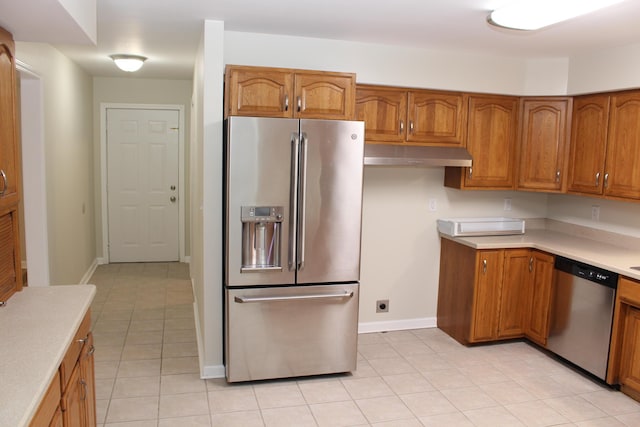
[
  {"x": 87, "y": 276},
  {"x": 24, "y": 264},
  {"x": 102, "y": 261},
  {"x": 186, "y": 259},
  {"x": 212, "y": 371},
  {"x": 397, "y": 325}
]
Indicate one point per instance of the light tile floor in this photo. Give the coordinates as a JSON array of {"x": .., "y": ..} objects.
[{"x": 147, "y": 374}]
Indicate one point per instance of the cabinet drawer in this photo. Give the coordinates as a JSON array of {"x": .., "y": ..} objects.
[
  {"x": 629, "y": 291},
  {"x": 48, "y": 405},
  {"x": 70, "y": 359}
]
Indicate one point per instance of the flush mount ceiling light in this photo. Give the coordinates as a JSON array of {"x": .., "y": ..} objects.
[
  {"x": 129, "y": 63},
  {"x": 535, "y": 14}
]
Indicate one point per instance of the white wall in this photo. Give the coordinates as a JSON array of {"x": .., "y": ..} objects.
[
  {"x": 604, "y": 70},
  {"x": 67, "y": 95},
  {"x": 206, "y": 271},
  {"x": 137, "y": 91}
]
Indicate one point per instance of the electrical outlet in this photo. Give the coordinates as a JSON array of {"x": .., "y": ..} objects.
[
  {"x": 595, "y": 213},
  {"x": 507, "y": 204},
  {"x": 382, "y": 306},
  {"x": 433, "y": 205}
]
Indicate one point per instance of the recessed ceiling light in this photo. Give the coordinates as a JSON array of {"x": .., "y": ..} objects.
[
  {"x": 536, "y": 14},
  {"x": 129, "y": 63}
]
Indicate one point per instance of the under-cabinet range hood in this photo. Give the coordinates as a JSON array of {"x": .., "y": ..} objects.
[{"x": 416, "y": 156}]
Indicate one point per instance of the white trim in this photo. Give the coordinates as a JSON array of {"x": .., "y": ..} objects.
[
  {"x": 102, "y": 261},
  {"x": 187, "y": 259},
  {"x": 92, "y": 269},
  {"x": 103, "y": 170},
  {"x": 397, "y": 325},
  {"x": 213, "y": 371}
]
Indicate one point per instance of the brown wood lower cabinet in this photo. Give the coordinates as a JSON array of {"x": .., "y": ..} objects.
[
  {"x": 70, "y": 400},
  {"x": 493, "y": 294},
  {"x": 624, "y": 357}
]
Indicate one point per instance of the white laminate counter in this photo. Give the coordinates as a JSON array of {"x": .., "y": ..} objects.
[
  {"x": 607, "y": 255},
  {"x": 36, "y": 328}
]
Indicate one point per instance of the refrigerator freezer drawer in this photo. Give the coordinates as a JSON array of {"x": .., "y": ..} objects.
[{"x": 291, "y": 331}]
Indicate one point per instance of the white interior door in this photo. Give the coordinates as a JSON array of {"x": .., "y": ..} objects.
[{"x": 142, "y": 184}]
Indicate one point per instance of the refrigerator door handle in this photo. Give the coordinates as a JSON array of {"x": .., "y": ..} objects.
[
  {"x": 302, "y": 200},
  {"x": 293, "y": 204},
  {"x": 243, "y": 300}
]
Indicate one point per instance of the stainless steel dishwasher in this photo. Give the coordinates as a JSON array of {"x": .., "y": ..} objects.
[{"x": 581, "y": 314}]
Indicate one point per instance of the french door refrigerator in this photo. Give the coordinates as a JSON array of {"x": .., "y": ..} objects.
[{"x": 292, "y": 211}]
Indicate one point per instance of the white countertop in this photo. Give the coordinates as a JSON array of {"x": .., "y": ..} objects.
[
  {"x": 37, "y": 327},
  {"x": 618, "y": 259}
]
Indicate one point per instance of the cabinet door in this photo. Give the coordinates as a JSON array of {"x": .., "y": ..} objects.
[
  {"x": 87, "y": 379},
  {"x": 491, "y": 139},
  {"x": 57, "y": 419},
  {"x": 589, "y": 124},
  {"x": 513, "y": 293},
  {"x": 539, "y": 298},
  {"x": 257, "y": 91},
  {"x": 436, "y": 117},
  {"x": 325, "y": 95},
  {"x": 622, "y": 173},
  {"x": 489, "y": 268},
  {"x": 543, "y": 143},
  {"x": 72, "y": 401},
  {"x": 630, "y": 364},
  {"x": 384, "y": 112},
  {"x": 9, "y": 153},
  {"x": 10, "y": 264}
]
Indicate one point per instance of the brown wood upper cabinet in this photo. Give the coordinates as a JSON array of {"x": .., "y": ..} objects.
[
  {"x": 492, "y": 131},
  {"x": 10, "y": 259},
  {"x": 396, "y": 115},
  {"x": 544, "y": 138},
  {"x": 622, "y": 170},
  {"x": 589, "y": 125},
  {"x": 282, "y": 92}
]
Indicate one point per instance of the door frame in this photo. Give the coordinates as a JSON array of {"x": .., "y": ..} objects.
[{"x": 104, "y": 106}]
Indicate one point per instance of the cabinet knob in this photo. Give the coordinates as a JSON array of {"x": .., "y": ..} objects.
[
  {"x": 470, "y": 173},
  {"x": 401, "y": 126},
  {"x": 484, "y": 266},
  {"x": 286, "y": 103},
  {"x": 597, "y": 178},
  {"x": 558, "y": 175},
  {"x": 299, "y": 103},
  {"x": 531, "y": 264},
  {"x": 4, "y": 182},
  {"x": 606, "y": 180},
  {"x": 411, "y": 126}
]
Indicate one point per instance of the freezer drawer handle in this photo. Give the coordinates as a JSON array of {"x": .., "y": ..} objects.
[{"x": 243, "y": 300}]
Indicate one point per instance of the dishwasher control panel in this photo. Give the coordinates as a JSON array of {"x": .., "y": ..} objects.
[{"x": 587, "y": 272}]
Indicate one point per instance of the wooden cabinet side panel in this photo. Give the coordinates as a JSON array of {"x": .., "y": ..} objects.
[
  {"x": 539, "y": 298},
  {"x": 513, "y": 293},
  {"x": 262, "y": 92},
  {"x": 543, "y": 144},
  {"x": 489, "y": 271},
  {"x": 492, "y": 131},
  {"x": 50, "y": 403},
  {"x": 589, "y": 126},
  {"x": 87, "y": 373},
  {"x": 623, "y": 147},
  {"x": 456, "y": 287},
  {"x": 384, "y": 112},
  {"x": 627, "y": 296},
  {"x": 437, "y": 117}
]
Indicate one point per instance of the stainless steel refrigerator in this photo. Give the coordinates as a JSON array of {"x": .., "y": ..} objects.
[{"x": 293, "y": 209}]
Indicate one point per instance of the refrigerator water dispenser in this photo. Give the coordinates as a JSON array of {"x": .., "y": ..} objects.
[{"x": 261, "y": 233}]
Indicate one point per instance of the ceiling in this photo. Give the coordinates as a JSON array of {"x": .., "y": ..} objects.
[{"x": 168, "y": 31}]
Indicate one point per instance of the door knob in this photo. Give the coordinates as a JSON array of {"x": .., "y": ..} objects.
[{"x": 172, "y": 199}]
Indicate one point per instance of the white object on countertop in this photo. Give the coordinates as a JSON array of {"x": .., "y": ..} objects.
[{"x": 494, "y": 226}]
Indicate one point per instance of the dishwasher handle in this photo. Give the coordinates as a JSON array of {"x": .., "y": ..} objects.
[{"x": 342, "y": 295}]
